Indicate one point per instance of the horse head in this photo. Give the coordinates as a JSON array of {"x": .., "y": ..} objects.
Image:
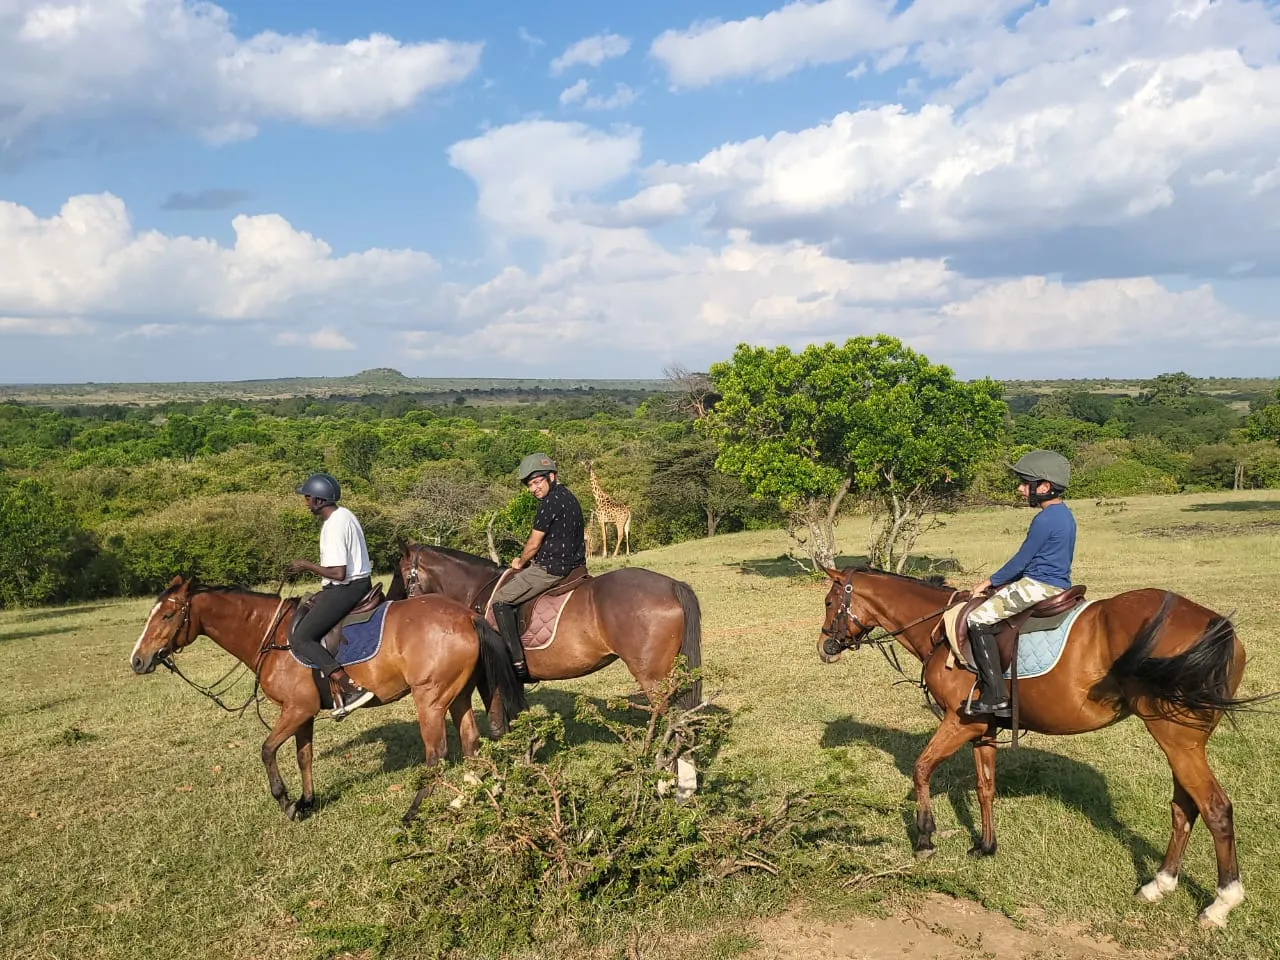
[
  {"x": 848, "y": 619},
  {"x": 168, "y": 629}
]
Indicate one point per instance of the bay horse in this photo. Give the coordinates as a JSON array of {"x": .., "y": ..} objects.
[
  {"x": 431, "y": 647},
  {"x": 1150, "y": 653},
  {"x": 641, "y": 617}
]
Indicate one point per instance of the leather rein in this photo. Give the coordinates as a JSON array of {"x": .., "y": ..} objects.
[{"x": 220, "y": 687}]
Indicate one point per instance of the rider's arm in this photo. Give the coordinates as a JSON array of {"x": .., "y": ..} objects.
[
  {"x": 329, "y": 573},
  {"x": 530, "y": 547}
]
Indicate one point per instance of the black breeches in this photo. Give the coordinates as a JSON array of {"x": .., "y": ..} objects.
[{"x": 334, "y": 603}]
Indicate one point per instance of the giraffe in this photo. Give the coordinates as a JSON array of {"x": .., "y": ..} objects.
[{"x": 609, "y": 511}]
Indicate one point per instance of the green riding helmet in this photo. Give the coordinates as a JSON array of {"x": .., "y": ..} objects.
[
  {"x": 322, "y": 486},
  {"x": 1044, "y": 465},
  {"x": 534, "y": 464}
]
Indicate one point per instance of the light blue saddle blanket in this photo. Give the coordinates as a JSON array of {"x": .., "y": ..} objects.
[
  {"x": 1040, "y": 648},
  {"x": 360, "y": 641}
]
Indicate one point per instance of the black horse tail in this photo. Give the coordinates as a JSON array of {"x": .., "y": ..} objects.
[
  {"x": 1196, "y": 682},
  {"x": 498, "y": 672},
  {"x": 690, "y": 643}
]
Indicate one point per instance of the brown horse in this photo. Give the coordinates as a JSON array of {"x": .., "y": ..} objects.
[
  {"x": 643, "y": 618},
  {"x": 1150, "y": 653},
  {"x": 430, "y": 647}
]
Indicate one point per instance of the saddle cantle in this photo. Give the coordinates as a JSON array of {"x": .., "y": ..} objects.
[{"x": 1045, "y": 615}]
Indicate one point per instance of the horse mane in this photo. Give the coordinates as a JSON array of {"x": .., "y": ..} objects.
[
  {"x": 933, "y": 580},
  {"x": 212, "y": 588},
  {"x": 458, "y": 555}
]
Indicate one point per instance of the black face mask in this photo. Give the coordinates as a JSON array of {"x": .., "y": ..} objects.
[{"x": 1035, "y": 499}]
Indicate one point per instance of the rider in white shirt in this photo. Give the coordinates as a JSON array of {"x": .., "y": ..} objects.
[{"x": 344, "y": 570}]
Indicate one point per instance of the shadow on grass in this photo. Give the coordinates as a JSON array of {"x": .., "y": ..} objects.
[
  {"x": 788, "y": 566},
  {"x": 402, "y": 749},
  {"x": 31, "y": 634},
  {"x": 52, "y": 612},
  {"x": 1026, "y": 772},
  {"x": 1235, "y": 506}
]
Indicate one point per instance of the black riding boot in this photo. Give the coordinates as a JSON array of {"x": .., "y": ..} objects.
[
  {"x": 508, "y": 618},
  {"x": 986, "y": 657}
]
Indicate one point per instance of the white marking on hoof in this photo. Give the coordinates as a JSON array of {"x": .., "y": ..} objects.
[
  {"x": 1229, "y": 897},
  {"x": 1155, "y": 891}
]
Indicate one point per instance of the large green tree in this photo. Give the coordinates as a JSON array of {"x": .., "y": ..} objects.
[
  {"x": 36, "y": 536},
  {"x": 871, "y": 416}
]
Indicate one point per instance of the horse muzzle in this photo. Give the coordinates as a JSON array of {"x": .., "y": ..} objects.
[{"x": 143, "y": 665}]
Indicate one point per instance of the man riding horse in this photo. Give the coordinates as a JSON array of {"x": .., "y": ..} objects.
[
  {"x": 555, "y": 548},
  {"x": 1039, "y": 570}
]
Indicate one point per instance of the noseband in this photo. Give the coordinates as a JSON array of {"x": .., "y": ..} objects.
[{"x": 838, "y": 637}]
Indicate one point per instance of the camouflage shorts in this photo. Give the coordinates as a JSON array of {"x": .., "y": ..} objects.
[{"x": 1012, "y": 598}]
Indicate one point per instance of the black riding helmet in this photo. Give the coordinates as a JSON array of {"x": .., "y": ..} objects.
[{"x": 322, "y": 486}]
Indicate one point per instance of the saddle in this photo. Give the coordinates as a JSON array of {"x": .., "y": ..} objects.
[
  {"x": 1052, "y": 610},
  {"x": 360, "y": 613},
  {"x": 539, "y": 616}
]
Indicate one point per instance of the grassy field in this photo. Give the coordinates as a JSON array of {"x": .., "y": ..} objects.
[{"x": 134, "y": 817}]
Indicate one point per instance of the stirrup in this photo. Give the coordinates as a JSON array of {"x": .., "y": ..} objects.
[
  {"x": 359, "y": 697},
  {"x": 1003, "y": 710}
]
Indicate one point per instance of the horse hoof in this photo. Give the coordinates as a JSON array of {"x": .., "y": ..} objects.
[
  {"x": 978, "y": 851},
  {"x": 924, "y": 853},
  {"x": 1208, "y": 922}
]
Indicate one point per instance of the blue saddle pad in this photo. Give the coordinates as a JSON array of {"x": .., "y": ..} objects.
[
  {"x": 1040, "y": 650},
  {"x": 360, "y": 641}
]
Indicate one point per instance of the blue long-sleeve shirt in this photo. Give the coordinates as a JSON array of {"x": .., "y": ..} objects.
[{"x": 1047, "y": 552}]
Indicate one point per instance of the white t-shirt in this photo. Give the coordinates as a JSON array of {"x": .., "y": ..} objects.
[{"x": 342, "y": 544}]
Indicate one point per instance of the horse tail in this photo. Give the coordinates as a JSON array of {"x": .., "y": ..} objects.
[
  {"x": 498, "y": 672},
  {"x": 1196, "y": 682},
  {"x": 690, "y": 642}
]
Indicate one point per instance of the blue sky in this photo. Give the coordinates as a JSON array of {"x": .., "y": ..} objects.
[{"x": 1071, "y": 189}]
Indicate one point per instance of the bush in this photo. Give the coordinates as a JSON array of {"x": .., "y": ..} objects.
[
  {"x": 1121, "y": 478},
  {"x": 36, "y": 545}
]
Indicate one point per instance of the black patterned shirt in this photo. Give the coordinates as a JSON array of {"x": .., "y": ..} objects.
[{"x": 563, "y": 546}]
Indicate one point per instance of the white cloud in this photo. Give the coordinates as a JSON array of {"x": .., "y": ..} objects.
[
  {"x": 591, "y": 51},
  {"x": 106, "y": 69},
  {"x": 326, "y": 338},
  {"x": 88, "y": 260},
  {"x": 574, "y": 93},
  {"x": 622, "y": 96}
]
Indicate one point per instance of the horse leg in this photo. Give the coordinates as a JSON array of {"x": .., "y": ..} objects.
[
  {"x": 302, "y": 741},
  {"x": 286, "y": 725},
  {"x": 1184, "y": 748},
  {"x": 464, "y": 718},
  {"x": 950, "y": 736},
  {"x": 984, "y": 759},
  {"x": 1184, "y": 813},
  {"x": 435, "y": 741}
]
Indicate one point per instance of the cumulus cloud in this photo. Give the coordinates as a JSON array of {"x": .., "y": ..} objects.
[
  {"x": 591, "y": 51},
  {"x": 580, "y": 93},
  {"x": 89, "y": 261},
  {"x": 326, "y": 338},
  {"x": 107, "y": 69}
]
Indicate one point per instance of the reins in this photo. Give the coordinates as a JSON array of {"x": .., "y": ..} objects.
[{"x": 212, "y": 691}]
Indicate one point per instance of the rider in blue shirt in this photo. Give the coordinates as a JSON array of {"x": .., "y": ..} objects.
[{"x": 1039, "y": 570}]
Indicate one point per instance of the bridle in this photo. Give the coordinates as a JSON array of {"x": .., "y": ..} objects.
[
  {"x": 412, "y": 582},
  {"x": 838, "y": 636},
  {"x": 166, "y": 655}
]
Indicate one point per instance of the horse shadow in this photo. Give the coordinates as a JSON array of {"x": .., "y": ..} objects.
[
  {"x": 1025, "y": 772},
  {"x": 785, "y": 565}
]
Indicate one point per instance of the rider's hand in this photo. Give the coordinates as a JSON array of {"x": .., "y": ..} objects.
[
  {"x": 983, "y": 587},
  {"x": 517, "y": 562},
  {"x": 299, "y": 566}
]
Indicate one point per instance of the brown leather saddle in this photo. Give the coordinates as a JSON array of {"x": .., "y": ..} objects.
[
  {"x": 362, "y": 612},
  {"x": 1047, "y": 614}
]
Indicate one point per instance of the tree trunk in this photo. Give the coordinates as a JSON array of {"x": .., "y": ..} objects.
[
  {"x": 488, "y": 533},
  {"x": 818, "y": 518},
  {"x": 712, "y": 520}
]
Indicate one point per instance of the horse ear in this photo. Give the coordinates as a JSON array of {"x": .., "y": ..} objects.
[
  {"x": 403, "y": 544},
  {"x": 834, "y": 573},
  {"x": 176, "y": 581}
]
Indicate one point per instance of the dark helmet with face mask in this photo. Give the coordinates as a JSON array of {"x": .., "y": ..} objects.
[{"x": 1043, "y": 465}]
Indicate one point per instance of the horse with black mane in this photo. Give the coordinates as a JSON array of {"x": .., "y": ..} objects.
[
  {"x": 1150, "y": 653},
  {"x": 431, "y": 647}
]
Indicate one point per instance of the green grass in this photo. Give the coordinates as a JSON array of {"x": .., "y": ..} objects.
[{"x": 135, "y": 821}]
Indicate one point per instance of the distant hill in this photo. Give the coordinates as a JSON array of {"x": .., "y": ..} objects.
[{"x": 380, "y": 380}]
